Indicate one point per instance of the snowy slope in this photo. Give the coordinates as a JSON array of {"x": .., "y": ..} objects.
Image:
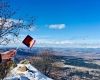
[{"x": 31, "y": 74}]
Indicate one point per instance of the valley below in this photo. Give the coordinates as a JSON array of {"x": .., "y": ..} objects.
[{"x": 63, "y": 63}]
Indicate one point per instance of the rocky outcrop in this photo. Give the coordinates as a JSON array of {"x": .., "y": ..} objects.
[
  {"x": 26, "y": 72},
  {"x": 22, "y": 68}
]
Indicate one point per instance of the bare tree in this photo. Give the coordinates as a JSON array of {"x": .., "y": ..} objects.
[
  {"x": 44, "y": 62},
  {"x": 9, "y": 26}
]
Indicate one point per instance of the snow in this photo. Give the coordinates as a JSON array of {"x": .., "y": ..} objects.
[{"x": 31, "y": 74}]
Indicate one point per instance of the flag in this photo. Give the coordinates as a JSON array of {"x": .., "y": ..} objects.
[{"x": 29, "y": 41}]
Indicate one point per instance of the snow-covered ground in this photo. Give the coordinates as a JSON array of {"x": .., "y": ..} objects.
[{"x": 31, "y": 74}]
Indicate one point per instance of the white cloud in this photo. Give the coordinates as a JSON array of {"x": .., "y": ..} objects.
[
  {"x": 68, "y": 43},
  {"x": 57, "y": 26},
  {"x": 50, "y": 41},
  {"x": 9, "y": 22},
  {"x": 43, "y": 42}
]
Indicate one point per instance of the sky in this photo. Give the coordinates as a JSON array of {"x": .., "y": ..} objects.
[{"x": 61, "y": 23}]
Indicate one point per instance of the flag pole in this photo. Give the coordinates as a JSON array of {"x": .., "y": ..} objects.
[{"x": 17, "y": 47}]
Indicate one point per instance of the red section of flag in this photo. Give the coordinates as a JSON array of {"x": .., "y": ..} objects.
[
  {"x": 29, "y": 41},
  {"x": 32, "y": 43}
]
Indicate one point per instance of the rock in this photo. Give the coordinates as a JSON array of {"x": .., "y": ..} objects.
[
  {"x": 24, "y": 62},
  {"x": 22, "y": 68},
  {"x": 26, "y": 72}
]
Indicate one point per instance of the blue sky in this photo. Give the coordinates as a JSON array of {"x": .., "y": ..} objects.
[{"x": 63, "y": 23}]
